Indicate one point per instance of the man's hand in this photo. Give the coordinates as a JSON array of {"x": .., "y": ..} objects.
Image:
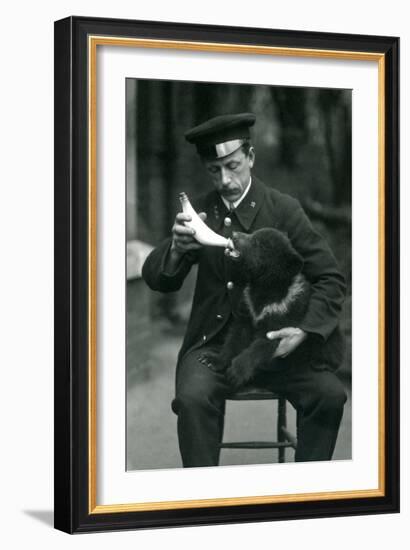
[
  {"x": 290, "y": 339},
  {"x": 183, "y": 238}
]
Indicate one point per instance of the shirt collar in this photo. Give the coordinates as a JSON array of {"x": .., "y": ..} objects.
[
  {"x": 231, "y": 205},
  {"x": 246, "y": 210}
]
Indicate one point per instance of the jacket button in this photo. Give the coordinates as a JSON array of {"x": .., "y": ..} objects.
[
  {"x": 229, "y": 285},
  {"x": 219, "y": 317},
  {"x": 227, "y": 222}
]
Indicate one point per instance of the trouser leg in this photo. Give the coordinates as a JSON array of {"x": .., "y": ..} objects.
[
  {"x": 200, "y": 405},
  {"x": 319, "y": 398}
]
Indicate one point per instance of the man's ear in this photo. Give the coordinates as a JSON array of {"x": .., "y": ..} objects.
[{"x": 251, "y": 156}]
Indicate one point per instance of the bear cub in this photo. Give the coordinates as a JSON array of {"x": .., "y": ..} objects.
[{"x": 275, "y": 294}]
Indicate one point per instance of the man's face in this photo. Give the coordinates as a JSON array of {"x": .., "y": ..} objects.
[{"x": 230, "y": 175}]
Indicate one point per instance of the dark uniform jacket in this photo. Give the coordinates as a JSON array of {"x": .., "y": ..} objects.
[{"x": 215, "y": 295}]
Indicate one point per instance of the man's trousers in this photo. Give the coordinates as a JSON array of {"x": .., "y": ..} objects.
[{"x": 317, "y": 395}]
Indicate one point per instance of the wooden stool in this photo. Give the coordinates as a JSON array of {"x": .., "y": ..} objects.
[{"x": 285, "y": 438}]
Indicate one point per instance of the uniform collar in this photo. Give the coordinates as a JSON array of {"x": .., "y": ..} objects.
[
  {"x": 241, "y": 198},
  {"x": 246, "y": 210}
]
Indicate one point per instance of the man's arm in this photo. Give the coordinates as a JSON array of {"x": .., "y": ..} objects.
[
  {"x": 167, "y": 266},
  {"x": 328, "y": 286},
  {"x": 320, "y": 267},
  {"x": 164, "y": 274}
]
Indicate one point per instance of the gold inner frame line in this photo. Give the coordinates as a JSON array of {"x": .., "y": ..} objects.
[{"x": 93, "y": 42}]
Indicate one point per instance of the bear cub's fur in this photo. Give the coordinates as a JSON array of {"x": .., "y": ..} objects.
[{"x": 275, "y": 295}]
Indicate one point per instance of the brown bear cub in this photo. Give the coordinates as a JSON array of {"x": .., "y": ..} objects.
[{"x": 275, "y": 294}]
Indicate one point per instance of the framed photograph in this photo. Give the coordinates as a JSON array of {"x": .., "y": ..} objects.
[{"x": 226, "y": 274}]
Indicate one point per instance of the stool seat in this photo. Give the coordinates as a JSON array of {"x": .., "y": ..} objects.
[
  {"x": 255, "y": 393},
  {"x": 284, "y": 438}
]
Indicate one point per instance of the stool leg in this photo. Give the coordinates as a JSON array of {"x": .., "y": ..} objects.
[{"x": 281, "y": 423}]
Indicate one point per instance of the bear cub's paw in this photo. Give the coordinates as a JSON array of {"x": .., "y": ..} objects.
[{"x": 240, "y": 372}]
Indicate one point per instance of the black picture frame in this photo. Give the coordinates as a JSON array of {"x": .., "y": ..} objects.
[{"x": 73, "y": 512}]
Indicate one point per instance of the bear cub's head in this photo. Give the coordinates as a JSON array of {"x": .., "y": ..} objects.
[{"x": 264, "y": 257}]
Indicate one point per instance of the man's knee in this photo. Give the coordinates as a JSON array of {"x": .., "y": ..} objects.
[
  {"x": 192, "y": 397},
  {"x": 195, "y": 400},
  {"x": 332, "y": 394},
  {"x": 199, "y": 392},
  {"x": 198, "y": 388},
  {"x": 329, "y": 393}
]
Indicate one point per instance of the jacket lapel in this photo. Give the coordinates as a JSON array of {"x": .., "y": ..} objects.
[
  {"x": 245, "y": 212},
  {"x": 249, "y": 207}
]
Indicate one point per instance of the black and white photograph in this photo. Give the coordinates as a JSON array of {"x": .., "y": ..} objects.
[{"x": 239, "y": 288}]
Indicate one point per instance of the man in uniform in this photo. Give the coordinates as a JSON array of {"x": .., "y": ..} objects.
[{"x": 241, "y": 202}]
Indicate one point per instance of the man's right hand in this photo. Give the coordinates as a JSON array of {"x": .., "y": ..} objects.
[{"x": 183, "y": 239}]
